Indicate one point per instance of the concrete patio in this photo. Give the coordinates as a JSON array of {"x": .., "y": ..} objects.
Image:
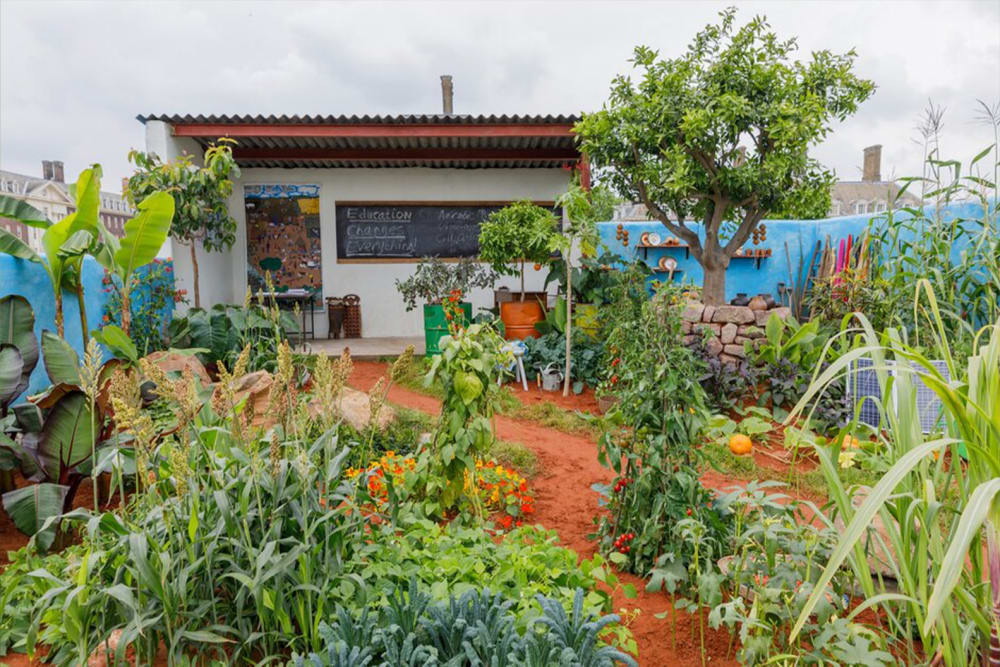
[{"x": 364, "y": 348}]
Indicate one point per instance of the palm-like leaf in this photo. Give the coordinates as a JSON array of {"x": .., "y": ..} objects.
[
  {"x": 146, "y": 233},
  {"x": 20, "y": 210}
]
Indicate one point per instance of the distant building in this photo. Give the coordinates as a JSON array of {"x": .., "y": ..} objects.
[
  {"x": 50, "y": 195},
  {"x": 871, "y": 194}
]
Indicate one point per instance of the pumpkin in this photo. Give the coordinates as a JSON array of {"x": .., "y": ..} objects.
[{"x": 740, "y": 444}]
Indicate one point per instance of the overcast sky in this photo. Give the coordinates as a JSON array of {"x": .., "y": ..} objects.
[{"x": 73, "y": 75}]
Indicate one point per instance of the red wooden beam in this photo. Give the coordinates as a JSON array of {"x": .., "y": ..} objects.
[
  {"x": 381, "y": 154},
  {"x": 214, "y": 130},
  {"x": 584, "y": 166}
]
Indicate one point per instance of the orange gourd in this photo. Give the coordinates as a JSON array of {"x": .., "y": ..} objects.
[
  {"x": 740, "y": 444},
  {"x": 850, "y": 442}
]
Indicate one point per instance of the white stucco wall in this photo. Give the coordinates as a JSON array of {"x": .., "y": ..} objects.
[
  {"x": 223, "y": 276},
  {"x": 382, "y": 309}
]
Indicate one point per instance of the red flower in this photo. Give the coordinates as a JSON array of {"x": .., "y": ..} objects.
[{"x": 689, "y": 511}]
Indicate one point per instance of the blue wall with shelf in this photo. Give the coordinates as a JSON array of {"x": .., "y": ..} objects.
[{"x": 743, "y": 275}]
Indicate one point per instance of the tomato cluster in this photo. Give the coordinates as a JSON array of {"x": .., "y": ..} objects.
[
  {"x": 621, "y": 543},
  {"x": 622, "y": 483}
]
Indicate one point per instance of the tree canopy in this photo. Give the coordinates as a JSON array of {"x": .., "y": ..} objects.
[{"x": 721, "y": 134}]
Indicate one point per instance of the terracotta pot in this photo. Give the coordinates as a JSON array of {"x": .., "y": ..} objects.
[{"x": 519, "y": 318}]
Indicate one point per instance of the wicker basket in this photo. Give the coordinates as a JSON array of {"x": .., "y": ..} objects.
[{"x": 352, "y": 316}]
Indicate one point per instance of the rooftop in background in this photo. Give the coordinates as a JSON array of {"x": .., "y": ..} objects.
[{"x": 412, "y": 140}]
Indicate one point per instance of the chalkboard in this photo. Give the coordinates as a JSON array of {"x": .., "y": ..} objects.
[{"x": 379, "y": 230}]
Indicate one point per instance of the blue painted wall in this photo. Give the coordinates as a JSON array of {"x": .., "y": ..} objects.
[
  {"x": 743, "y": 274},
  {"x": 29, "y": 279}
]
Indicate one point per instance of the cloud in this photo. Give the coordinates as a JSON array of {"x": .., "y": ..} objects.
[{"x": 73, "y": 75}]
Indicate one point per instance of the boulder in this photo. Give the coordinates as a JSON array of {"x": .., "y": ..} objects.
[
  {"x": 735, "y": 350},
  {"x": 355, "y": 409},
  {"x": 175, "y": 362},
  {"x": 708, "y": 314},
  {"x": 691, "y": 339},
  {"x": 685, "y": 327},
  {"x": 733, "y": 314},
  {"x": 692, "y": 311},
  {"x": 750, "y": 331},
  {"x": 727, "y": 333}
]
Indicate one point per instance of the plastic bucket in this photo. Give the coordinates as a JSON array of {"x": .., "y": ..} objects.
[
  {"x": 436, "y": 325},
  {"x": 585, "y": 316},
  {"x": 519, "y": 318}
]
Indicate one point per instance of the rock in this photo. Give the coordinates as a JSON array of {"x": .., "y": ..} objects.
[
  {"x": 750, "y": 331},
  {"x": 729, "y": 360},
  {"x": 175, "y": 362},
  {"x": 99, "y": 658},
  {"x": 757, "y": 303},
  {"x": 685, "y": 327},
  {"x": 256, "y": 388},
  {"x": 708, "y": 314},
  {"x": 691, "y": 339},
  {"x": 355, "y": 409},
  {"x": 734, "y": 314},
  {"x": 692, "y": 311},
  {"x": 762, "y": 316},
  {"x": 727, "y": 333},
  {"x": 735, "y": 350},
  {"x": 700, "y": 328},
  {"x": 739, "y": 340},
  {"x": 714, "y": 347}
]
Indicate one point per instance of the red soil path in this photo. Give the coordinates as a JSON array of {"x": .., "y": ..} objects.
[{"x": 564, "y": 501}]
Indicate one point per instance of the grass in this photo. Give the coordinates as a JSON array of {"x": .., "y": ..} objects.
[
  {"x": 410, "y": 424},
  {"x": 745, "y": 468},
  {"x": 549, "y": 415}
]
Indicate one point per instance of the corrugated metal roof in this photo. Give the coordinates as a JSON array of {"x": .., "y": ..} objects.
[
  {"x": 400, "y": 119},
  {"x": 257, "y": 147}
]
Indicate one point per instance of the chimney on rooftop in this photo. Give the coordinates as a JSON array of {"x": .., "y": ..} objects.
[
  {"x": 872, "y": 171},
  {"x": 447, "y": 95},
  {"x": 47, "y": 170},
  {"x": 57, "y": 172}
]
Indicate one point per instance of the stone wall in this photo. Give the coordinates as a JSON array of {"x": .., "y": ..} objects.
[{"x": 730, "y": 326}]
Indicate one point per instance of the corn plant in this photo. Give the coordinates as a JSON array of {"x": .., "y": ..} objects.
[{"x": 939, "y": 514}]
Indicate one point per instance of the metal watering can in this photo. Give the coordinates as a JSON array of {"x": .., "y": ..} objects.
[{"x": 551, "y": 378}]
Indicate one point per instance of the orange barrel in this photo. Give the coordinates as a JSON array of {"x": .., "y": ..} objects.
[{"x": 519, "y": 318}]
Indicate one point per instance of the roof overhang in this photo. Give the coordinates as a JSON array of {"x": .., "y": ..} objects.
[{"x": 436, "y": 141}]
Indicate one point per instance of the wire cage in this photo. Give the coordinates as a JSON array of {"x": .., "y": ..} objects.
[{"x": 863, "y": 387}]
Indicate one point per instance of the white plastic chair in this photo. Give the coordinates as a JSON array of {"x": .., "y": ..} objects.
[{"x": 517, "y": 350}]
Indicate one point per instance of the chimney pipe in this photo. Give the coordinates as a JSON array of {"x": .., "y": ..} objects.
[
  {"x": 447, "y": 94},
  {"x": 872, "y": 170},
  {"x": 47, "y": 170},
  {"x": 57, "y": 172}
]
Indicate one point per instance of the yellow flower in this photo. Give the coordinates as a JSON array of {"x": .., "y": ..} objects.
[{"x": 846, "y": 458}]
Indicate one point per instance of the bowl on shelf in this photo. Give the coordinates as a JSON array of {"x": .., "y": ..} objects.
[{"x": 652, "y": 238}]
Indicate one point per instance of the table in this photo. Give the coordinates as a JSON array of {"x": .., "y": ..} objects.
[{"x": 305, "y": 299}]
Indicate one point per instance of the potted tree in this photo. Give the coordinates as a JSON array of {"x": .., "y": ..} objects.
[
  {"x": 508, "y": 240},
  {"x": 432, "y": 282}
]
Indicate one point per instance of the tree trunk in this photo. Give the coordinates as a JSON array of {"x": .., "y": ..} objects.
[
  {"x": 126, "y": 311},
  {"x": 59, "y": 313},
  {"x": 194, "y": 267},
  {"x": 569, "y": 321},
  {"x": 522, "y": 281},
  {"x": 83, "y": 308},
  {"x": 713, "y": 291}
]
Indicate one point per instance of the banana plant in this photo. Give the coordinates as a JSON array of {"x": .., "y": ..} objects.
[
  {"x": 65, "y": 242},
  {"x": 145, "y": 234}
]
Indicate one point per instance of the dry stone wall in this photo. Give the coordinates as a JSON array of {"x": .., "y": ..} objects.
[{"x": 729, "y": 327}]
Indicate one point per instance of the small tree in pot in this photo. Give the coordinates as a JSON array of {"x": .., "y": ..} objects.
[
  {"x": 510, "y": 238},
  {"x": 436, "y": 279}
]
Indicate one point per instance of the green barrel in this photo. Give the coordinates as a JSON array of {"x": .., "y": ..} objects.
[{"x": 436, "y": 325}]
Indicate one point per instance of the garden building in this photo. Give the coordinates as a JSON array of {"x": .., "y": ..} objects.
[{"x": 344, "y": 205}]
